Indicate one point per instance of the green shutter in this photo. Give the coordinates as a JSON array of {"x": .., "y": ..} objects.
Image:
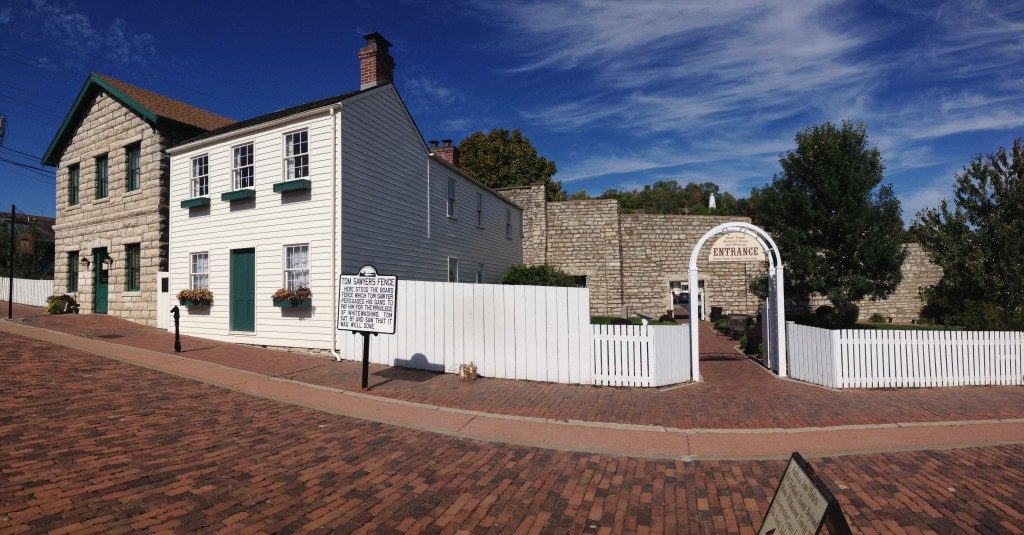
[
  {"x": 73, "y": 185},
  {"x": 133, "y": 170},
  {"x": 101, "y": 177}
]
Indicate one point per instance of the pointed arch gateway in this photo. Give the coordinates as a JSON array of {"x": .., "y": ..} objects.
[{"x": 776, "y": 310}]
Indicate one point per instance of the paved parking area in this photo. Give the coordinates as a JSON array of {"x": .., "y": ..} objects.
[
  {"x": 736, "y": 392},
  {"x": 94, "y": 445}
]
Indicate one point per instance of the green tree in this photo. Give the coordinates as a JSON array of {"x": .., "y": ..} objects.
[
  {"x": 839, "y": 230},
  {"x": 502, "y": 158},
  {"x": 979, "y": 243},
  {"x": 521, "y": 274},
  {"x": 35, "y": 265},
  {"x": 669, "y": 197},
  {"x": 580, "y": 195}
]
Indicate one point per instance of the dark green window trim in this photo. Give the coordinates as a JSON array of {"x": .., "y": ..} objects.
[
  {"x": 73, "y": 176},
  {"x": 102, "y": 184},
  {"x": 72, "y": 285},
  {"x": 132, "y": 267},
  {"x": 133, "y": 166},
  {"x": 292, "y": 185}
]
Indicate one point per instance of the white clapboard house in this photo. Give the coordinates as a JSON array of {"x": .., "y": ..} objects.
[{"x": 300, "y": 196}]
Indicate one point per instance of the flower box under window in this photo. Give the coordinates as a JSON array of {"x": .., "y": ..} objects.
[
  {"x": 293, "y": 303},
  {"x": 238, "y": 195},
  {"x": 300, "y": 184},
  {"x": 194, "y": 303},
  {"x": 195, "y": 203}
]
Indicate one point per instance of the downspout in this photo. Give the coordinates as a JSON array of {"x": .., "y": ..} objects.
[
  {"x": 429, "y": 154},
  {"x": 334, "y": 232}
]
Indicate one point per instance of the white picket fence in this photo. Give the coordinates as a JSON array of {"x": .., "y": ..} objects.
[
  {"x": 641, "y": 355},
  {"x": 27, "y": 291},
  {"x": 854, "y": 358},
  {"x": 509, "y": 332}
]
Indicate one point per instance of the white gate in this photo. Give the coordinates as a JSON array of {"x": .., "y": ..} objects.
[{"x": 163, "y": 301}]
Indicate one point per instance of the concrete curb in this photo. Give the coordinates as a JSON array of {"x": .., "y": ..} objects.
[{"x": 645, "y": 441}]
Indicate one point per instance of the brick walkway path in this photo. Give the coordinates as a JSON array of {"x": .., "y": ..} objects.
[
  {"x": 105, "y": 447},
  {"x": 736, "y": 392}
]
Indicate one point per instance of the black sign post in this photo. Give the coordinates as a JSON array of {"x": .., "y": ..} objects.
[
  {"x": 366, "y": 306},
  {"x": 803, "y": 504}
]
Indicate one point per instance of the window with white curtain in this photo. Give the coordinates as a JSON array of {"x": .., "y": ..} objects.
[
  {"x": 296, "y": 155},
  {"x": 296, "y": 266},
  {"x": 199, "y": 271},
  {"x": 200, "y": 176}
]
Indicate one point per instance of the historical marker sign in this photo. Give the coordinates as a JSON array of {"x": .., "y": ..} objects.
[
  {"x": 736, "y": 247},
  {"x": 366, "y": 302},
  {"x": 802, "y": 504}
]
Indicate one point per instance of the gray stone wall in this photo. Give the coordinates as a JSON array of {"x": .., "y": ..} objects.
[
  {"x": 583, "y": 239},
  {"x": 120, "y": 219},
  {"x": 656, "y": 250}
]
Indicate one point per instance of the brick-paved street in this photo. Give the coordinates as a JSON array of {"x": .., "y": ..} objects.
[
  {"x": 94, "y": 445},
  {"x": 736, "y": 393}
]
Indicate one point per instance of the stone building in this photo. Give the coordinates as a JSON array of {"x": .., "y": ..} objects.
[
  {"x": 631, "y": 261},
  {"x": 112, "y": 194}
]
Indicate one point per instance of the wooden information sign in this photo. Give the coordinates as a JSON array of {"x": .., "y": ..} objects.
[
  {"x": 802, "y": 505},
  {"x": 366, "y": 305}
]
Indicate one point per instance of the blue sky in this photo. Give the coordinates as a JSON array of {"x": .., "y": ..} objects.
[{"x": 617, "y": 94}]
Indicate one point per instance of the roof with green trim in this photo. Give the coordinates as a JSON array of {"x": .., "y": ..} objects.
[{"x": 152, "y": 107}]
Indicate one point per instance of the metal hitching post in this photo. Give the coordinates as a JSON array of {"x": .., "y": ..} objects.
[{"x": 177, "y": 333}]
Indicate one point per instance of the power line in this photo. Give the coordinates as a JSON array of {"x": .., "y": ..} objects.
[
  {"x": 34, "y": 94},
  {"x": 29, "y": 105},
  {"x": 33, "y": 177},
  {"x": 25, "y": 154},
  {"x": 59, "y": 71},
  {"x": 29, "y": 167}
]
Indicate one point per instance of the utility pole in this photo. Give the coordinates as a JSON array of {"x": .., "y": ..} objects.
[{"x": 10, "y": 287}]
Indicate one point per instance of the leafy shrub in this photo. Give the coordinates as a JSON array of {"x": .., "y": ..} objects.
[
  {"x": 621, "y": 321},
  {"x": 667, "y": 318},
  {"x": 720, "y": 324},
  {"x": 523, "y": 275},
  {"x": 876, "y": 318},
  {"x": 829, "y": 317},
  {"x": 299, "y": 294},
  {"x": 61, "y": 304},
  {"x": 198, "y": 295}
]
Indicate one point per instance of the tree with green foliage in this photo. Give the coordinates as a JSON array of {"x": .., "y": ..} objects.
[
  {"x": 35, "y": 265},
  {"x": 523, "y": 275},
  {"x": 580, "y": 195},
  {"x": 669, "y": 197},
  {"x": 502, "y": 158},
  {"x": 838, "y": 229},
  {"x": 979, "y": 243}
]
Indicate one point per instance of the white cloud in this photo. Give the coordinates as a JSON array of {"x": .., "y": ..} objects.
[
  {"x": 65, "y": 24},
  {"x": 5, "y": 15},
  {"x": 430, "y": 90}
]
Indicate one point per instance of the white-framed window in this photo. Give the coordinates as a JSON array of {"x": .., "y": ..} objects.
[
  {"x": 453, "y": 269},
  {"x": 479, "y": 273},
  {"x": 296, "y": 155},
  {"x": 242, "y": 170},
  {"x": 451, "y": 198},
  {"x": 199, "y": 271},
  {"x": 480, "y": 209},
  {"x": 508, "y": 222},
  {"x": 200, "y": 176},
  {"x": 296, "y": 266}
]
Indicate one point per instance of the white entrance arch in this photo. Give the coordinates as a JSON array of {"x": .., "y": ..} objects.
[{"x": 776, "y": 298}]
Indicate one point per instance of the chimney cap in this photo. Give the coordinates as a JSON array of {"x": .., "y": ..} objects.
[
  {"x": 433, "y": 143},
  {"x": 377, "y": 38},
  {"x": 447, "y": 142}
]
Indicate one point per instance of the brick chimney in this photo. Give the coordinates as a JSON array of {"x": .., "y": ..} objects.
[
  {"x": 376, "y": 66},
  {"x": 447, "y": 151}
]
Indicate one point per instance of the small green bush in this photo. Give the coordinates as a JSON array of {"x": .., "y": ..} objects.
[
  {"x": 61, "y": 304},
  {"x": 523, "y": 275},
  {"x": 720, "y": 324},
  {"x": 877, "y": 318}
]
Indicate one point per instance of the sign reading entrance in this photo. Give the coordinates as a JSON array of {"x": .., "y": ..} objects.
[
  {"x": 802, "y": 504},
  {"x": 366, "y": 302},
  {"x": 736, "y": 247}
]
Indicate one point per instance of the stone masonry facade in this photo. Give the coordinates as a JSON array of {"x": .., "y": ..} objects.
[
  {"x": 121, "y": 218},
  {"x": 630, "y": 260}
]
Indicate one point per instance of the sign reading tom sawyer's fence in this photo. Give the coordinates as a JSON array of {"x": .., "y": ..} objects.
[
  {"x": 802, "y": 504},
  {"x": 736, "y": 247},
  {"x": 366, "y": 302}
]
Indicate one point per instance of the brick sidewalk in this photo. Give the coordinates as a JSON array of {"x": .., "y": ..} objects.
[
  {"x": 736, "y": 392},
  {"x": 105, "y": 447}
]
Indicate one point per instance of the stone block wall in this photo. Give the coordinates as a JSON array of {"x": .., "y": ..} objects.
[
  {"x": 656, "y": 250},
  {"x": 121, "y": 218},
  {"x": 583, "y": 239},
  {"x": 532, "y": 200}
]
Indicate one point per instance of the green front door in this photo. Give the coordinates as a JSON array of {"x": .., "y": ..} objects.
[
  {"x": 100, "y": 279},
  {"x": 243, "y": 290}
]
